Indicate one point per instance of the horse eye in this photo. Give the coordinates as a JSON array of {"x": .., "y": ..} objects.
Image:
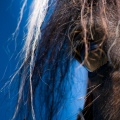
[{"x": 96, "y": 58}]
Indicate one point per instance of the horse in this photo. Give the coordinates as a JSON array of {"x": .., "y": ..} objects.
[{"x": 82, "y": 30}]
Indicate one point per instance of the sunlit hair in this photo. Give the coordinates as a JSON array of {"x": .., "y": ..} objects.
[
  {"x": 38, "y": 13},
  {"x": 43, "y": 74}
]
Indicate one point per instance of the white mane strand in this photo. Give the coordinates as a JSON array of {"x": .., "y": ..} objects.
[{"x": 37, "y": 16}]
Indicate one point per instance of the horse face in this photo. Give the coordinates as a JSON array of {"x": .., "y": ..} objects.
[
  {"x": 107, "y": 105},
  {"x": 104, "y": 84}
]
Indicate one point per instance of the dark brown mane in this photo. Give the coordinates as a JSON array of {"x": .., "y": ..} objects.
[{"x": 69, "y": 32}]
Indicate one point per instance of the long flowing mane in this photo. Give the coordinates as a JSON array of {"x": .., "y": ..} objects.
[
  {"x": 47, "y": 72},
  {"x": 50, "y": 50}
]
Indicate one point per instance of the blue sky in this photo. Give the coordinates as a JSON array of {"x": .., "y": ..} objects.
[{"x": 9, "y": 14}]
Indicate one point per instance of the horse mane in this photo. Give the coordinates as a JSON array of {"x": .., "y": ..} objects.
[{"x": 44, "y": 73}]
